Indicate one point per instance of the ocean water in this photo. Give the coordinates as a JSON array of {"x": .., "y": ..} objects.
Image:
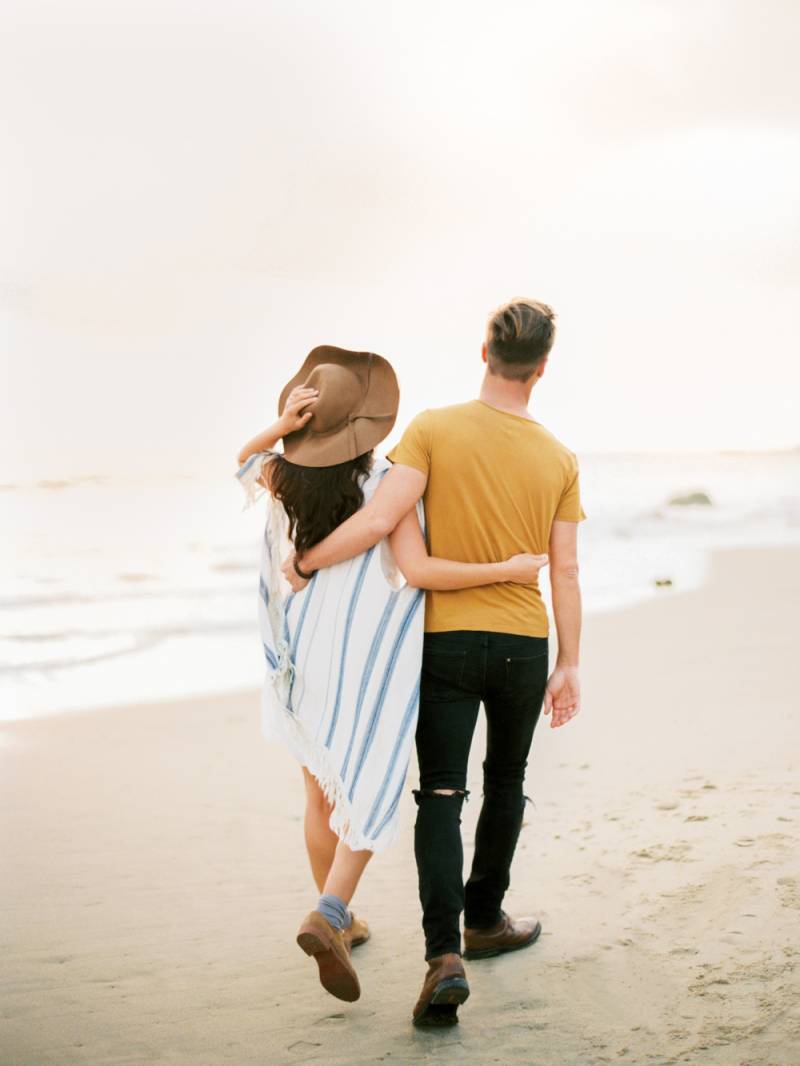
[{"x": 115, "y": 591}]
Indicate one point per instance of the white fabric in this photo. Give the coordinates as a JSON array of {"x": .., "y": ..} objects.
[{"x": 343, "y": 664}]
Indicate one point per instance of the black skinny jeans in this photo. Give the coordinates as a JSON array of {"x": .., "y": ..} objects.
[{"x": 508, "y": 673}]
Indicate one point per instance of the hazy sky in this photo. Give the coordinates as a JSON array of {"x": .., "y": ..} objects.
[{"x": 196, "y": 193}]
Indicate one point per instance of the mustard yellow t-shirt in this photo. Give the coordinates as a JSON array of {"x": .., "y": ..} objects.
[{"x": 496, "y": 482}]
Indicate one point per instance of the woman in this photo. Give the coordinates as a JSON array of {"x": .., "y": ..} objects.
[{"x": 344, "y": 654}]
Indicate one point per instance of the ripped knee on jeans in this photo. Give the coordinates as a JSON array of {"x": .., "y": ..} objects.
[{"x": 459, "y": 793}]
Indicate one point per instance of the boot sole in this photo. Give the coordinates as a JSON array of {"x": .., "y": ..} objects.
[
  {"x": 490, "y": 953},
  {"x": 442, "y": 1008},
  {"x": 334, "y": 976}
]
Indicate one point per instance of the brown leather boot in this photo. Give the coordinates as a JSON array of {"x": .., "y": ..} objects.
[
  {"x": 318, "y": 938},
  {"x": 356, "y": 933},
  {"x": 508, "y": 935},
  {"x": 444, "y": 989}
]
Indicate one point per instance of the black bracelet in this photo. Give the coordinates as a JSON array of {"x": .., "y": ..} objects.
[{"x": 300, "y": 573}]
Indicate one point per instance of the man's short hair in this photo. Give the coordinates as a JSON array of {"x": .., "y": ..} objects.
[{"x": 519, "y": 336}]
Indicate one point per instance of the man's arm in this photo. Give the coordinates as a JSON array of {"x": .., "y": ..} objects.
[
  {"x": 563, "y": 697},
  {"x": 397, "y": 493}
]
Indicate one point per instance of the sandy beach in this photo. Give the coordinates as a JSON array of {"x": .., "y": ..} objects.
[{"x": 154, "y": 871}]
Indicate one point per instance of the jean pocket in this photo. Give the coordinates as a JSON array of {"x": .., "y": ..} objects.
[
  {"x": 524, "y": 671},
  {"x": 442, "y": 674}
]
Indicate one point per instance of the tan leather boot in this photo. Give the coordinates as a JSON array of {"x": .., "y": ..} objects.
[
  {"x": 509, "y": 934},
  {"x": 444, "y": 989},
  {"x": 318, "y": 938},
  {"x": 356, "y": 933}
]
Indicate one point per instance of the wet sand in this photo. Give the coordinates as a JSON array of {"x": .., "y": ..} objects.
[{"x": 153, "y": 871}]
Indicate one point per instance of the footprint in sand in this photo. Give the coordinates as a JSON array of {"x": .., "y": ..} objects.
[
  {"x": 581, "y": 879},
  {"x": 771, "y": 840},
  {"x": 693, "y": 793},
  {"x": 789, "y": 892},
  {"x": 662, "y": 853}
]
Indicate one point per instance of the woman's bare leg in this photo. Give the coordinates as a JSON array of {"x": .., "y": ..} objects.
[
  {"x": 336, "y": 868},
  {"x": 321, "y": 841},
  {"x": 330, "y": 931},
  {"x": 345, "y": 872}
]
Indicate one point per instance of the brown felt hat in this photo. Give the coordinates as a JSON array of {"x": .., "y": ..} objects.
[{"x": 355, "y": 410}]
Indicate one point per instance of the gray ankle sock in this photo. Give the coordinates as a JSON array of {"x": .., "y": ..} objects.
[{"x": 334, "y": 911}]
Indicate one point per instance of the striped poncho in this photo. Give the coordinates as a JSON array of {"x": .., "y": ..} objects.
[{"x": 343, "y": 663}]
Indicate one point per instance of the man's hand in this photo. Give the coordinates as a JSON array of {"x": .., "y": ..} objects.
[
  {"x": 562, "y": 697},
  {"x": 298, "y": 583}
]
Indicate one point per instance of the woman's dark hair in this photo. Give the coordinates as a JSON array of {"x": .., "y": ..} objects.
[{"x": 317, "y": 499}]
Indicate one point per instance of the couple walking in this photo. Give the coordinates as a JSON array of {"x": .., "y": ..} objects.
[{"x": 362, "y": 662}]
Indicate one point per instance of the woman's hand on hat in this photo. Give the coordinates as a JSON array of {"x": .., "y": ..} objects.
[
  {"x": 296, "y": 411},
  {"x": 524, "y": 569}
]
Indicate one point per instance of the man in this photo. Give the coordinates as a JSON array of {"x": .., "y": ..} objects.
[{"x": 494, "y": 482}]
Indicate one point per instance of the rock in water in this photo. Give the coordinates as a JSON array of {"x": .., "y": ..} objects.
[{"x": 701, "y": 498}]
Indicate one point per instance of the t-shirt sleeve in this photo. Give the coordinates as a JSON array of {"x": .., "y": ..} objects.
[
  {"x": 414, "y": 448},
  {"x": 569, "y": 506}
]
